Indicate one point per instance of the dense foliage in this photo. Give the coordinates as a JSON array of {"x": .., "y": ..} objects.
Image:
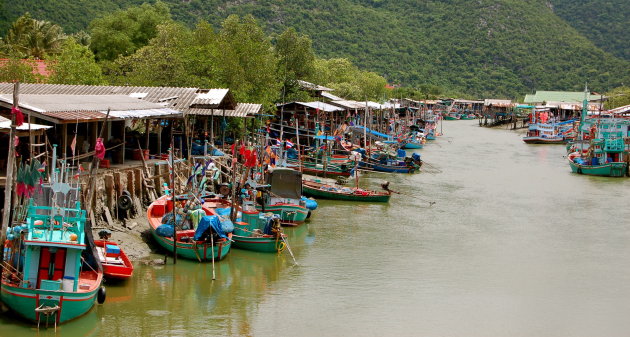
[
  {"x": 606, "y": 23},
  {"x": 482, "y": 48}
]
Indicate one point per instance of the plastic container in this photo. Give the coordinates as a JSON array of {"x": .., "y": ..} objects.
[
  {"x": 67, "y": 283},
  {"x": 137, "y": 154}
]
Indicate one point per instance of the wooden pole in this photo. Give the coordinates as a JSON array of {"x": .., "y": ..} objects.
[
  {"x": 8, "y": 186},
  {"x": 172, "y": 180}
]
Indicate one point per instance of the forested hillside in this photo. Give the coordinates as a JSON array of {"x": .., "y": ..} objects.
[
  {"x": 499, "y": 48},
  {"x": 606, "y": 23}
]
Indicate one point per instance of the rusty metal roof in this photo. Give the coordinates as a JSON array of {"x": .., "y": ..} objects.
[{"x": 497, "y": 102}]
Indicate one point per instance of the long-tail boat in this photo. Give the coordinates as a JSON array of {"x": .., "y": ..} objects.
[
  {"x": 319, "y": 189},
  {"x": 191, "y": 244},
  {"x": 50, "y": 274}
]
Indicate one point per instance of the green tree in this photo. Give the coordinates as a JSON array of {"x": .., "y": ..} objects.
[
  {"x": 247, "y": 64},
  {"x": 33, "y": 38},
  {"x": 75, "y": 65},
  {"x": 125, "y": 31},
  {"x": 296, "y": 60},
  {"x": 618, "y": 97},
  {"x": 15, "y": 69}
]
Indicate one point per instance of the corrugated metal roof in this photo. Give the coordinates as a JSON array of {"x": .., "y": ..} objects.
[
  {"x": 313, "y": 86},
  {"x": 321, "y": 106},
  {"x": 60, "y": 108},
  {"x": 170, "y": 97},
  {"x": 556, "y": 96},
  {"x": 621, "y": 109},
  {"x": 502, "y": 103},
  {"x": 209, "y": 99},
  {"x": 52, "y": 103},
  {"x": 5, "y": 124},
  {"x": 242, "y": 110},
  {"x": 331, "y": 96},
  {"x": 347, "y": 104}
]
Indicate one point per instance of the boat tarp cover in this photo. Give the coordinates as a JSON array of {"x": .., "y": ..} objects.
[
  {"x": 371, "y": 132},
  {"x": 221, "y": 227},
  {"x": 286, "y": 183}
]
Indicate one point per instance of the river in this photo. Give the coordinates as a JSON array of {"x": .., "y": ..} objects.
[{"x": 515, "y": 245}]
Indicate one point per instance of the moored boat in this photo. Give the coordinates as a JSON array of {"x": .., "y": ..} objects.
[
  {"x": 116, "y": 264},
  {"x": 319, "y": 189},
  {"x": 50, "y": 274},
  {"x": 284, "y": 197},
  {"x": 191, "y": 244}
]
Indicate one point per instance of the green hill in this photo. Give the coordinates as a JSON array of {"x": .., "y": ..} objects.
[
  {"x": 498, "y": 48},
  {"x": 606, "y": 23}
]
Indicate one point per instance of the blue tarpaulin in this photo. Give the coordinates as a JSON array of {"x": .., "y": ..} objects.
[{"x": 221, "y": 227}]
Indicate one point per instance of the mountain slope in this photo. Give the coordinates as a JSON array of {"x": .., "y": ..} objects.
[
  {"x": 606, "y": 23},
  {"x": 482, "y": 47}
]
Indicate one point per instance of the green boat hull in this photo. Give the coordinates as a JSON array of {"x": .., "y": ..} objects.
[
  {"x": 290, "y": 214},
  {"x": 317, "y": 193},
  {"x": 607, "y": 170},
  {"x": 450, "y": 118},
  {"x": 24, "y": 301},
  {"x": 256, "y": 244},
  {"x": 194, "y": 251}
]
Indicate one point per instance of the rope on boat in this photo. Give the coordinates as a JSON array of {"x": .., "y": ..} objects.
[{"x": 47, "y": 311}]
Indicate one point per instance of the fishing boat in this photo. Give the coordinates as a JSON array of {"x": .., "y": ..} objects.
[
  {"x": 383, "y": 162},
  {"x": 116, "y": 264},
  {"x": 50, "y": 274},
  {"x": 194, "y": 242},
  {"x": 603, "y": 146},
  {"x": 259, "y": 232},
  {"x": 318, "y": 189},
  {"x": 413, "y": 140},
  {"x": 328, "y": 170},
  {"x": 284, "y": 196},
  {"x": 541, "y": 131}
]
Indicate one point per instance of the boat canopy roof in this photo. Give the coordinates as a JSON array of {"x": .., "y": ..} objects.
[{"x": 286, "y": 183}]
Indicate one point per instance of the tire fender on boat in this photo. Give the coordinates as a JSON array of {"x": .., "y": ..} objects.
[{"x": 101, "y": 295}]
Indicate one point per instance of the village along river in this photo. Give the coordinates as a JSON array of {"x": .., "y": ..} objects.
[{"x": 515, "y": 245}]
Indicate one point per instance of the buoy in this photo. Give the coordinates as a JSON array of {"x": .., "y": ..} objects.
[
  {"x": 73, "y": 237},
  {"x": 38, "y": 222}
]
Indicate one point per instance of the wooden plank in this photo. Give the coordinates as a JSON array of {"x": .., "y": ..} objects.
[
  {"x": 108, "y": 218},
  {"x": 109, "y": 190},
  {"x": 130, "y": 184},
  {"x": 138, "y": 205},
  {"x": 137, "y": 180}
]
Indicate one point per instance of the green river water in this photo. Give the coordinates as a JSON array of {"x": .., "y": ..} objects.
[{"x": 515, "y": 245}]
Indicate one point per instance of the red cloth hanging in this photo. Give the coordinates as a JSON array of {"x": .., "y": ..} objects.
[
  {"x": 19, "y": 116},
  {"x": 99, "y": 148}
]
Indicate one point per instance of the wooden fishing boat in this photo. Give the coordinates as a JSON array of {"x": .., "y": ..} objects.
[
  {"x": 116, "y": 264},
  {"x": 325, "y": 191},
  {"x": 603, "y": 146},
  {"x": 50, "y": 274},
  {"x": 541, "y": 131},
  {"x": 284, "y": 197},
  {"x": 258, "y": 232},
  {"x": 319, "y": 169},
  {"x": 616, "y": 169},
  {"x": 187, "y": 247}
]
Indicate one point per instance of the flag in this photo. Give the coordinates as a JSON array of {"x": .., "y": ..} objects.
[{"x": 288, "y": 144}]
